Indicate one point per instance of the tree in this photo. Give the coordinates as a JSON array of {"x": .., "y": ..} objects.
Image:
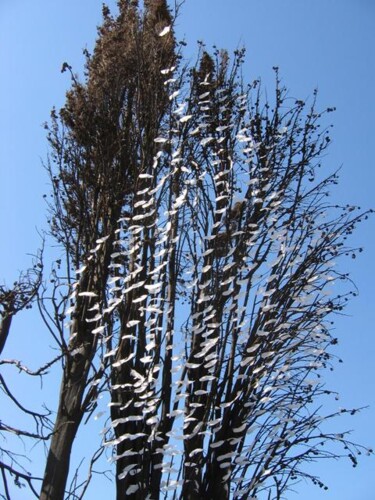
[
  {"x": 105, "y": 141},
  {"x": 17, "y": 298},
  {"x": 12, "y": 301},
  {"x": 199, "y": 244}
]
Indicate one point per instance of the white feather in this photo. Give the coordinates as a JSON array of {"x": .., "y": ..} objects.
[
  {"x": 165, "y": 31},
  {"x": 87, "y": 294}
]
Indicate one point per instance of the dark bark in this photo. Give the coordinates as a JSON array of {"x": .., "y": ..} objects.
[
  {"x": 4, "y": 330},
  {"x": 58, "y": 460},
  {"x": 69, "y": 416},
  {"x": 216, "y": 486}
]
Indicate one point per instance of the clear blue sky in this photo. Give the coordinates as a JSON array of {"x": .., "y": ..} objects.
[{"x": 324, "y": 43}]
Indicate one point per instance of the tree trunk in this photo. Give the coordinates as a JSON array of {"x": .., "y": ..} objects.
[
  {"x": 69, "y": 416},
  {"x": 4, "y": 330},
  {"x": 217, "y": 486},
  {"x": 57, "y": 467}
]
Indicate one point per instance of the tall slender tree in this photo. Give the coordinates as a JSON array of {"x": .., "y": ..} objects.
[
  {"x": 200, "y": 246},
  {"x": 101, "y": 140}
]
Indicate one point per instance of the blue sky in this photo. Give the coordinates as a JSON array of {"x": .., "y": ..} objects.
[{"x": 327, "y": 44}]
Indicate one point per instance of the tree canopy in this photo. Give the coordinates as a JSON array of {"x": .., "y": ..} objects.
[{"x": 198, "y": 282}]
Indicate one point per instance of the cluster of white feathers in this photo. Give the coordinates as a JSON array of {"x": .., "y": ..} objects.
[{"x": 261, "y": 360}]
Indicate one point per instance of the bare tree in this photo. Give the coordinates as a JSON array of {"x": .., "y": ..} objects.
[
  {"x": 198, "y": 279},
  {"x": 12, "y": 301}
]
